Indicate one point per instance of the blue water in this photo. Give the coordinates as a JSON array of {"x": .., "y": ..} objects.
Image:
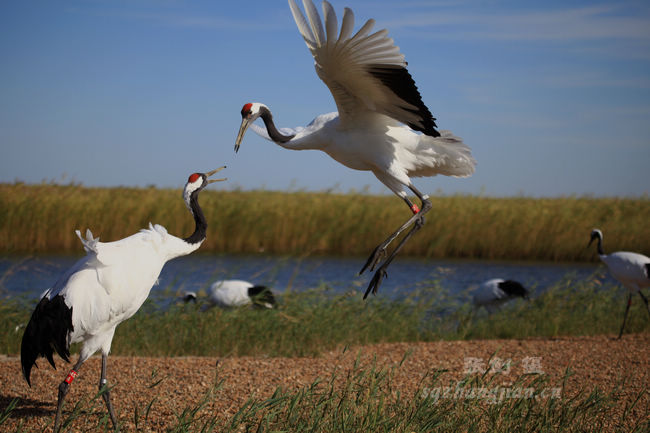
[{"x": 28, "y": 277}]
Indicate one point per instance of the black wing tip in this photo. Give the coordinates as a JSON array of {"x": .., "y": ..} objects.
[
  {"x": 399, "y": 81},
  {"x": 261, "y": 295},
  {"x": 428, "y": 129},
  {"x": 28, "y": 354},
  {"x": 27, "y": 370},
  {"x": 513, "y": 288}
]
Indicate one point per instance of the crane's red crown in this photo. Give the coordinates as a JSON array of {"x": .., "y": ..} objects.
[
  {"x": 246, "y": 108},
  {"x": 193, "y": 177}
]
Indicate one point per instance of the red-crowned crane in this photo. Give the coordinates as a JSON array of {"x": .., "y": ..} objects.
[
  {"x": 632, "y": 270},
  {"x": 381, "y": 125},
  {"x": 102, "y": 290},
  {"x": 237, "y": 293},
  {"x": 496, "y": 292}
]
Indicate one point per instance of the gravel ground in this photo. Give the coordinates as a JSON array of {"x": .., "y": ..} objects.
[{"x": 596, "y": 361}]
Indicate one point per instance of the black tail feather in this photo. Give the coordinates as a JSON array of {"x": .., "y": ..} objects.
[
  {"x": 647, "y": 270},
  {"x": 46, "y": 332}
]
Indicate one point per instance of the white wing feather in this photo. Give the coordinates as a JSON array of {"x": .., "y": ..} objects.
[
  {"x": 315, "y": 23},
  {"x": 366, "y": 73},
  {"x": 347, "y": 25}
]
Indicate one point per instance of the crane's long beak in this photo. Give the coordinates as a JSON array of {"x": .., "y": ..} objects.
[
  {"x": 245, "y": 123},
  {"x": 210, "y": 173},
  {"x": 590, "y": 241}
]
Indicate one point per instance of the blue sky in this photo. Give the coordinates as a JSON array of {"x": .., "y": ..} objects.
[{"x": 553, "y": 97}]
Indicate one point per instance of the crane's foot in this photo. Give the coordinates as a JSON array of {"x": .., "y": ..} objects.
[
  {"x": 376, "y": 256},
  {"x": 376, "y": 280}
]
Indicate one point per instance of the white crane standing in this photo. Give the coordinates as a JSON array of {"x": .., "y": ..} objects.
[
  {"x": 376, "y": 99},
  {"x": 236, "y": 293},
  {"x": 632, "y": 270},
  {"x": 102, "y": 290},
  {"x": 496, "y": 292}
]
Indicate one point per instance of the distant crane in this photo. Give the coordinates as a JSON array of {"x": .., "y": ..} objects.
[
  {"x": 237, "y": 293},
  {"x": 102, "y": 290},
  {"x": 496, "y": 292},
  {"x": 375, "y": 96},
  {"x": 632, "y": 270}
]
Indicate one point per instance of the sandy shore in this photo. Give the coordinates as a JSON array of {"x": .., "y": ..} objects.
[{"x": 596, "y": 361}]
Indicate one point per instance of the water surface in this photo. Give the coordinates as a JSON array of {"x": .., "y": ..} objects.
[{"x": 29, "y": 276}]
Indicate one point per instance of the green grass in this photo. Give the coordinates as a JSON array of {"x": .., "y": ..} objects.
[
  {"x": 314, "y": 321},
  {"x": 42, "y": 218}
]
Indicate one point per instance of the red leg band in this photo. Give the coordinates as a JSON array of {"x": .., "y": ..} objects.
[
  {"x": 414, "y": 208},
  {"x": 71, "y": 376}
]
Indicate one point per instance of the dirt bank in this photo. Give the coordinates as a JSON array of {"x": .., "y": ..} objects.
[{"x": 596, "y": 362}]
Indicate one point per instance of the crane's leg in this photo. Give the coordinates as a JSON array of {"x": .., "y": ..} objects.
[
  {"x": 627, "y": 308},
  {"x": 63, "y": 391},
  {"x": 106, "y": 393},
  {"x": 417, "y": 220},
  {"x": 645, "y": 301}
]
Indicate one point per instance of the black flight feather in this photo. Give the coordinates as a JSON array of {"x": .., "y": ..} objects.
[
  {"x": 402, "y": 84},
  {"x": 46, "y": 332}
]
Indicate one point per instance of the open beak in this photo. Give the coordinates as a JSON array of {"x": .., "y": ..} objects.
[
  {"x": 210, "y": 173},
  {"x": 245, "y": 123}
]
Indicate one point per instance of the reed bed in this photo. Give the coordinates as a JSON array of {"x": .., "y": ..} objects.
[{"x": 42, "y": 218}]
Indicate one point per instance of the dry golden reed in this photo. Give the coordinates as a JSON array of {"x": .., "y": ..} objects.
[{"x": 42, "y": 218}]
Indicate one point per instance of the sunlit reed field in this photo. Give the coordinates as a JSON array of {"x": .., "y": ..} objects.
[
  {"x": 42, "y": 218},
  {"x": 308, "y": 323}
]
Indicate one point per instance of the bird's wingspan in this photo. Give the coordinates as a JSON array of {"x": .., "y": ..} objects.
[{"x": 365, "y": 72}]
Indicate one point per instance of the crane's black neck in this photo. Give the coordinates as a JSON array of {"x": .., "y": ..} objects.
[
  {"x": 600, "y": 246},
  {"x": 199, "y": 219},
  {"x": 275, "y": 135}
]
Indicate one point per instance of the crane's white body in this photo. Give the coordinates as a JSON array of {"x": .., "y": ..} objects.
[
  {"x": 230, "y": 293},
  {"x": 490, "y": 295},
  {"x": 237, "y": 293},
  {"x": 392, "y": 151},
  {"x": 630, "y": 269},
  {"x": 110, "y": 284}
]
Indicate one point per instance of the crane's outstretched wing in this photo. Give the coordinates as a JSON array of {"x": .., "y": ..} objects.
[{"x": 365, "y": 72}]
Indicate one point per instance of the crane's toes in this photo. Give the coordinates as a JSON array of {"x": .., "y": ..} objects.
[
  {"x": 376, "y": 256},
  {"x": 376, "y": 281}
]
